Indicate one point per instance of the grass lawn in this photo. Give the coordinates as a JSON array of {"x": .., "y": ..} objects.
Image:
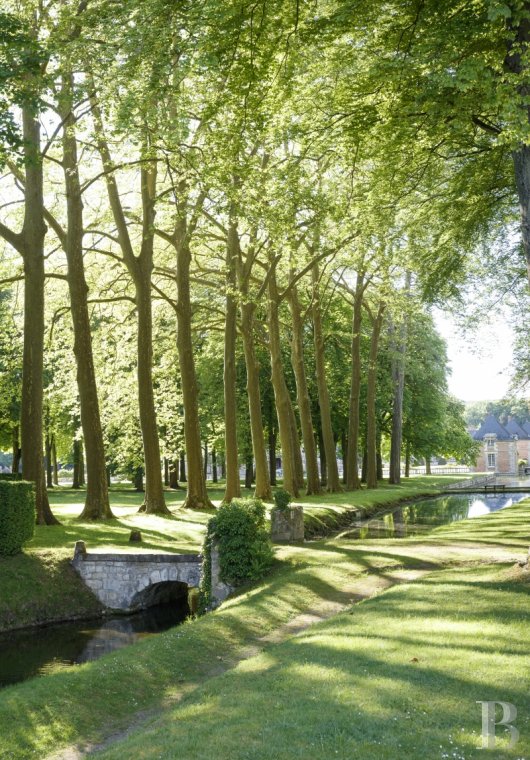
[
  {"x": 398, "y": 677},
  {"x": 40, "y": 586}
]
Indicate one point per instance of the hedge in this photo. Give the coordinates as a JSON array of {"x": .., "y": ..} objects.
[
  {"x": 245, "y": 549},
  {"x": 17, "y": 515},
  {"x": 10, "y": 476}
]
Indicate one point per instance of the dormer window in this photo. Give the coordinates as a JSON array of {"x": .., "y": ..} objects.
[{"x": 490, "y": 441}]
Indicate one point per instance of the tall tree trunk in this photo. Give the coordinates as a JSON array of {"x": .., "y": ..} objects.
[
  {"x": 322, "y": 455},
  {"x": 174, "y": 474},
  {"x": 54, "y": 462},
  {"x": 249, "y": 470},
  {"x": 197, "y": 496},
  {"x": 97, "y": 504},
  {"x": 262, "y": 488},
  {"x": 428, "y": 465},
  {"x": 272, "y": 456},
  {"x": 76, "y": 482},
  {"x": 407, "y": 459},
  {"x": 281, "y": 393},
  {"x": 352, "y": 469},
  {"x": 140, "y": 268},
  {"x": 215, "y": 476},
  {"x": 333, "y": 481},
  {"x": 302, "y": 393},
  {"x": 297, "y": 450},
  {"x": 166, "y": 471},
  {"x": 371, "y": 442},
  {"x": 154, "y": 490},
  {"x": 398, "y": 347},
  {"x": 344, "y": 450},
  {"x": 138, "y": 479},
  {"x": 233, "y": 485},
  {"x": 378, "y": 457},
  {"x": 82, "y": 481},
  {"x": 182, "y": 466},
  {"x": 48, "y": 455},
  {"x": 205, "y": 460},
  {"x": 15, "y": 464},
  {"x": 32, "y": 245}
]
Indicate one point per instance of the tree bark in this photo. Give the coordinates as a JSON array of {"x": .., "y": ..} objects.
[
  {"x": 281, "y": 393},
  {"x": 140, "y": 268},
  {"x": 249, "y": 470},
  {"x": 205, "y": 460},
  {"x": 54, "y": 461},
  {"x": 371, "y": 442},
  {"x": 302, "y": 393},
  {"x": 166, "y": 471},
  {"x": 322, "y": 455},
  {"x": 48, "y": 455},
  {"x": 138, "y": 479},
  {"x": 82, "y": 481},
  {"x": 32, "y": 247},
  {"x": 97, "y": 505},
  {"x": 15, "y": 464},
  {"x": 344, "y": 449},
  {"x": 197, "y": 496},
  {"x": 174, "y": 475},
  {"x": 215, "y": 476},
  {"x": 398, "y": 348},
  {"x": 154, "y": 490},
  {"x": 262, "y": 488},
  {"x": 407, "y": 460},
  {"x": 182, "y": 467},
  {"x": 233, "y": 485},
  {"x": 76, "y": 482},
  {"x": 333, "y": 481},
  {"x": 352, "y": 469}
]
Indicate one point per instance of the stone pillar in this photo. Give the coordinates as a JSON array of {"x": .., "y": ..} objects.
[
  {"x": 220, "y": 589},
  {"x": 287, "y": 524},
  {"x": 79, "y": 552}
]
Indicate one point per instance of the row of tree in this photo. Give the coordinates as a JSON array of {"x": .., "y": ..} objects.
[{"x": 237, "y": 180}]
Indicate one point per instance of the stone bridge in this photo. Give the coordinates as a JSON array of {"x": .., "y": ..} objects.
[{"x": 128, "y": 582}]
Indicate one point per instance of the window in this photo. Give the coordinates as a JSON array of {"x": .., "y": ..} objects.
[
  {"x": 491, "y": 460},
  {"x": 490, "y": 443}
]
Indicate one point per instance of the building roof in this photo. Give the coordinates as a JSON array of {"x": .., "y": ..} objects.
[
  {"x": 513, "y": 427},
  {"x": 492, "y": 426}
]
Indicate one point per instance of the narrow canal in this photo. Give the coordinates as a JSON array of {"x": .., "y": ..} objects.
[{"x": 40, "y": 651}]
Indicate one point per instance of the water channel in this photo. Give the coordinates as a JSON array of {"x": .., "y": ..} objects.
[
  {"x": 422, "y": 516},
  {"x": 49, "y": 649},
  {"x": 40, "y": 651}
]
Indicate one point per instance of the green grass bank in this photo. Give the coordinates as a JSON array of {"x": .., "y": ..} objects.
[
  {"x": 398, "y": 677},
  {"x": 39, "y": 586}
]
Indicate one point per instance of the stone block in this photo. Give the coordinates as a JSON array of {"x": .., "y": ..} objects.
[{"x": 287, "y": 524}]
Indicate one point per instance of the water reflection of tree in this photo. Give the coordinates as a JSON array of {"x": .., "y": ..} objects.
[{"x": 440, "y": 511}]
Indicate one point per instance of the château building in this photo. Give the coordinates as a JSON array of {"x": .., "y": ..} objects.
[{"x": 503, "y": 446}]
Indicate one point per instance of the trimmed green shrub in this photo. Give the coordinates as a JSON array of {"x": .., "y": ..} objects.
[
  {"x": 17, "y": 515},
  {"x": 10, "y": 476},
  {"x": 282, "y": 498},
  {"x": 245, "y": 549}
]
